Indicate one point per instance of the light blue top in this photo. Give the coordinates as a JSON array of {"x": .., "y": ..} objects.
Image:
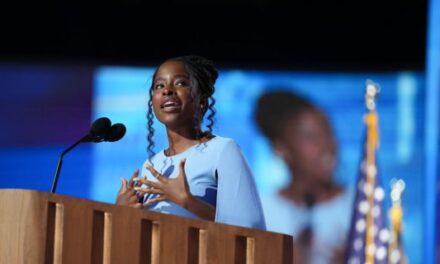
[
  {"x": 329, "y": 220},
  {"x": 217, "y": 173}
]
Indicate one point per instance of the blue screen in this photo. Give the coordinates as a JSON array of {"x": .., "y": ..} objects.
[
  {"x": 45, "y": 109},
  {"x": 122, "y": 94}
]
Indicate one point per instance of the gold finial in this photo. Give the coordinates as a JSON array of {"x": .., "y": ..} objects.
[
  {"x": 397, "y": 188},
  {"x": 371, "y": 92}
]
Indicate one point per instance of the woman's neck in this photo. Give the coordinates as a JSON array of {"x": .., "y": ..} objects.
[
  {"x": 180, "y": 140},
  {"x": 309, "y": 192}
]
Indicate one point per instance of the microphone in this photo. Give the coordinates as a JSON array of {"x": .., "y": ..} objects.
[
  {"x": 100, "y": 131},
  {"x": 115, "y": 133}
]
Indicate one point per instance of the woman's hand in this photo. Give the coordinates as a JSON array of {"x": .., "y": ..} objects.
[
  {"x": 127, "y": 194},
  {"x": 175, "y": 190}
]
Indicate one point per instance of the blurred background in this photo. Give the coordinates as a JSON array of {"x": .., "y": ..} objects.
[{"x": 62, "y": 65}]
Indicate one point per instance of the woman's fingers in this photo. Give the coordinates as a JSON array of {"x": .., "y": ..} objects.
[
  {"x": 136, "y": 175},
  {"x": 154, "y": 200},
  {"x": 148, "y": 183},
  {"x": 156, "y": 174},
  {"x": 131, "y": 183},
  {"x": 123, "y": 185},
  {"x": 136, "y": 205},
  {"x": 148, "y": 190},
  {"x": 133, "y": 199}
]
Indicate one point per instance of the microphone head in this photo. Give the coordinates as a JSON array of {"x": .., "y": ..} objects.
[
  {"x": 100, "y": 127},
  {"x": 115, "y": 133},
  {"x": 98, "y": 130}
]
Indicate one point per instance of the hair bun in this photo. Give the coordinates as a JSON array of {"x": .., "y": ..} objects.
[{"x": 203, "y": 64}]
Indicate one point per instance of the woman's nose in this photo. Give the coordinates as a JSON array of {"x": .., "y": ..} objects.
[{"x": 167, "y": 90}]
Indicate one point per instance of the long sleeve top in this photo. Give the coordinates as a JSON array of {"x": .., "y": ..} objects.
[{"x": 217, "y": 173}]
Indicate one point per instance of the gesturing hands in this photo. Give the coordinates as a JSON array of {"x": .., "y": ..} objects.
[
  {"x": 175, "y": 190},
  {"x": 127, "y": 194}
]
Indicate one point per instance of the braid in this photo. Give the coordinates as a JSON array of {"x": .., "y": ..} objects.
[
  {"x": 150, "y": 119},
  {"x": 198, "y": 120},
  {"x": 211, "y": 115}
]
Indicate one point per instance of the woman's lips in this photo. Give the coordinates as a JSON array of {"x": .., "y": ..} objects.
[{"x": 170, "y": 105}]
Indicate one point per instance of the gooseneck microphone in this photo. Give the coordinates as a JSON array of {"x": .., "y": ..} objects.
[{"x": 100, "y": 131}]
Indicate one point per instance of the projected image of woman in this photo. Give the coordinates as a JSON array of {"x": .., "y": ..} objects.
[
  {"x": 319, "y": 208},
  {"x": 200, "y": 175}
]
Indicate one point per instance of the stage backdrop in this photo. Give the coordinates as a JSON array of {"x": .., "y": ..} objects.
[
  {"x": 122, "y": 94},
  {"x": 46, "y": 108}
]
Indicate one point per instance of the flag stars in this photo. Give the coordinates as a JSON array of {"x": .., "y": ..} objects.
[
  {"x": 360, "y": 225},
  {"x": 379, "y": 194},
  {"x": 358, "y": 244},
  {"x": 363, "y": 207},
  {"x": 381, "y": 253},
  {"x": 384, "y": 235}
]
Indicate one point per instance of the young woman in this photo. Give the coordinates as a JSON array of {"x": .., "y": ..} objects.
[
  {"x": 319, "y": 209},
  {"x": 199, "y": 175}
]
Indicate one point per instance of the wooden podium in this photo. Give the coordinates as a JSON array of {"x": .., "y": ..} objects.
[{"x": 38, "y": 227}]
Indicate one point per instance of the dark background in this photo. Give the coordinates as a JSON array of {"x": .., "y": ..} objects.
[{"x": 307, "y": 35}]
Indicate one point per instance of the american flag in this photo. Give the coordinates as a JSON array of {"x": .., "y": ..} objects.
[{"x": 368, "y": 237}]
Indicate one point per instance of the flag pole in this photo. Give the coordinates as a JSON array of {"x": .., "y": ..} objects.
[
  {"x": 395, "y": 251},
  {"x": 371, "y": 121}
]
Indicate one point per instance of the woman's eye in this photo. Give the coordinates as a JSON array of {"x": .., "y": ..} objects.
[
  {"x": 182, "y": 83},
  {"x": 158, "y": 86}
]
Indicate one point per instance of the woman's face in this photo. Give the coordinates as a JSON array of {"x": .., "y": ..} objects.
[
  {"x": 173, "y": 104},
  {"x": 308, "y": 146}
]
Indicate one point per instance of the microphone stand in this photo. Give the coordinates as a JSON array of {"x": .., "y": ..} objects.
[
  {"x": 60, "y": 161},
  {"x": 101, "y": 131}
]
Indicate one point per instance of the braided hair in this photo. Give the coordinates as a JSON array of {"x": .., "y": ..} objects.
[{"x": 202, "y": 76}]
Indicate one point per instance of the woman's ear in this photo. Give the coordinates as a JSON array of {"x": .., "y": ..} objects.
[{"x": 203, "y": 104}]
